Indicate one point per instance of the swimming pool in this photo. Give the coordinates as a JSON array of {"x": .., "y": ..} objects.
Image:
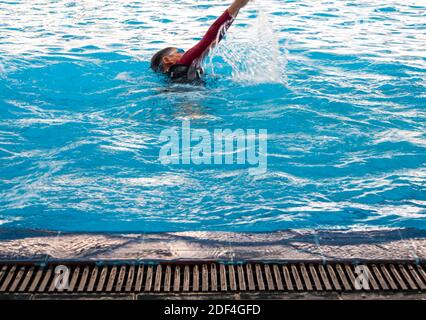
[{"x": 81, "y": 115}]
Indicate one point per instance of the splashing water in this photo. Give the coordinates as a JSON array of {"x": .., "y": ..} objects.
[{"x": 253, "y": 53}]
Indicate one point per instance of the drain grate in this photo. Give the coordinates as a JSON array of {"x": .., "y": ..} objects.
[{"x": 215, "y": 277}]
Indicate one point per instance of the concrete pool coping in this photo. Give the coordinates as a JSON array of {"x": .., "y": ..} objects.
[{"x": 288, "y": 245}]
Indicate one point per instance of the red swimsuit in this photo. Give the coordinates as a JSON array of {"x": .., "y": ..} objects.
[{"x": 200, "y": 50}]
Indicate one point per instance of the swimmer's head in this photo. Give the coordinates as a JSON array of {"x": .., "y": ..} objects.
[{"x": 165, "y": 58}]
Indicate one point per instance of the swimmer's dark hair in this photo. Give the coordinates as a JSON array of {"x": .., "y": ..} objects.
[{"x": 156, "y": 60}]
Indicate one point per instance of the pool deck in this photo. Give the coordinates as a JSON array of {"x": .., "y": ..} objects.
[{"x": 289, "y": 245}]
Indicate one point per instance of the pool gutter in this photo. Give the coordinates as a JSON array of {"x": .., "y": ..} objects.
[
  {"x": 399, "y": 251},
  {"x": 133, "y": 280}
]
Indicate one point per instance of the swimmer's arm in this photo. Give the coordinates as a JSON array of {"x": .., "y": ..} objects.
[
  {"x": 211, "y": 37},
  {"x": 236, "y": 6}
]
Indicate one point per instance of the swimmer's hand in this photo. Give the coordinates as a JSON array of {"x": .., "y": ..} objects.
[{"x": 236, "y": 6}]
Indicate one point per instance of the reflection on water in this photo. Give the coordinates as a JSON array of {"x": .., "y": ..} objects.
[{"x": 81, "y": 114}]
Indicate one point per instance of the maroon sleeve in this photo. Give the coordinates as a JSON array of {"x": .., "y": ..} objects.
[{"x": 220, "y": 25}]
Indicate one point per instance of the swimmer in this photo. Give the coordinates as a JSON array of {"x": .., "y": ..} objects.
[{"x": 185, "y": 66}]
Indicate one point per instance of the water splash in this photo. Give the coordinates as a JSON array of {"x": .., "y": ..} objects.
[{"x": 254, "y": 53}]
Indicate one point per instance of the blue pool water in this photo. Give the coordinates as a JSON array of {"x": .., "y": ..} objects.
[{"x": 81, "y": 114}]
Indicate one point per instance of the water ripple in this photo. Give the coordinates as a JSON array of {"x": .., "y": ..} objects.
[{"x": 81, "y": 114}]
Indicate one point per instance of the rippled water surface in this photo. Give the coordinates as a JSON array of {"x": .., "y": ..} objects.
[{"x": 81, "y": 113}]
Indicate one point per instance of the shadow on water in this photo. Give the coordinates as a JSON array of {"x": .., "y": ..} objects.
[{"x": 185, "y": 99}]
